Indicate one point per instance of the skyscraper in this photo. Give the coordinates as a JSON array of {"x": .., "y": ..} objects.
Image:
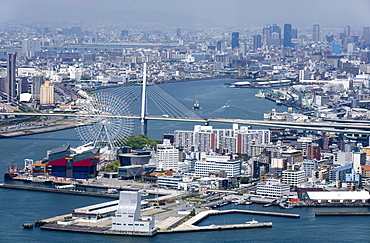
[
  {"x": 257, "y": 42},
  {"x": 366, "y": 35},
  {"x": 47, "y": 94},
  {"x": 178, "y": 33},
  {"x": 316, "y": 33},
  {"x": 10, "y": 78},
  {"x": 234, "y": 40},
  {"x": 37, "y": 81},
  {"x": 287, "y": 35}
]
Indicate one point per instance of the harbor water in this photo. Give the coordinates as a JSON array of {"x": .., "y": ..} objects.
[{"x": 18, "y": 206}]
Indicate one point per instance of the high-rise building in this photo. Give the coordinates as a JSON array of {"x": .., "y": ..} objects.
[
  {"x": 295, "y": 33},
  {"x": 178, "y": 33},
  {"x": 234, "y": 40},
  {"x": 31, "y": 48},
  {"x": 257, "y": 42},
  {"x": 366, "y": 35},
  {"x": 10, "y": 78},
  {"x": 219, "y": 46},
  {"x": 37, "y": 81},
  {"x": 47, "y": 94},
  {"x": 347, "y": 31},
  {"x": 124, "y": 33},
  {"x": 22, "y": 85},
  {"x": 287, "y": 35},
  {"x": 316, "y": 33},
  {"x": 167, "y": 156}
]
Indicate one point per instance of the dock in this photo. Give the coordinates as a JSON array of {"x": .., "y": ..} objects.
[
  {"x": 55, "y": 190},
  {"x": 342, "y": 214}
]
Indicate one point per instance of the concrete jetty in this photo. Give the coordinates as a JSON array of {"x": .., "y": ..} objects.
[
  {"x": 342, "y": 214},
  {"x": 55, "y": 190}
]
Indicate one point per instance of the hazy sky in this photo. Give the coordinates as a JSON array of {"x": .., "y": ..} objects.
[{"x": 328, "y": 13}]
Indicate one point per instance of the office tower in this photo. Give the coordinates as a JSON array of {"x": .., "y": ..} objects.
[
  {"x": 257, "y": 42},
  {"x": 37, "y": 81},
  {"x": 266, "y": 35},
  {"x": 234, "y": 40},
  {"x": 316, "y": 33},
  {"x": 219, "y": 46},
  {"x": 124, "y": 33},
  {"x": 77, "y": 31},
  {"x": 330, "y": 38},
  {"x": 294, "y": 34},
  {"x": 178, "y": 33},
  {"x": 287, "y": 35},
  {"x": 47, "y": 94},
  {"x": 167, "y": 156},
  {"x": 10, "y": 78},
  {"x": 366, "y": 35},
  {"x": 31, "y": 48},
  {"x": 22, "y": 85},
  {"x": 274, "y": 28},
  {"x": 347, "y": 31}
]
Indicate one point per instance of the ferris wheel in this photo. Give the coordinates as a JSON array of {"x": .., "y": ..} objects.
[{"x": 100, "y": 125}]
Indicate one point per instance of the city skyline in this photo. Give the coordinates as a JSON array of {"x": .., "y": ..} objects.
[{"x": 208, "y": 13}]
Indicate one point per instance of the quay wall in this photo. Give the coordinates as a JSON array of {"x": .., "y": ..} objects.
[{"x": 342, "y": 214}]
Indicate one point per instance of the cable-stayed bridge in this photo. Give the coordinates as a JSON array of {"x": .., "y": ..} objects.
[{"x": 109, "y": 116}]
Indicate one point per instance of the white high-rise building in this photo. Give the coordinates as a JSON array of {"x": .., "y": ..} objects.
[{"x": 167, "y": 156}]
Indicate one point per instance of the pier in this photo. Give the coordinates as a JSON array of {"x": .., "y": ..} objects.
[
  {"x": 55, "y": 190},
  {"x": 342, "y": 214}
]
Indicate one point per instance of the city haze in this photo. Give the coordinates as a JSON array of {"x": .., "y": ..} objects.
[{"x": 332, "y": 13}]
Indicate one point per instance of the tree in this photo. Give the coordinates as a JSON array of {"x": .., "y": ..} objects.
[
  {"x": 111, "y": 167},
  {"x": 138, "y": 142},
  {"x": 192, "y": 213},
  {"x": 244, "y": 180}
]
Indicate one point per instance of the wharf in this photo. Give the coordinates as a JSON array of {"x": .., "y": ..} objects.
[
  {"x": 342, "y": 214},
  {"x": 94, "y": 230},
  {"x": 55, "y": 190}
]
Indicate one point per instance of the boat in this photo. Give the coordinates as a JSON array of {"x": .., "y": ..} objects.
[
  {"x": 112, "y": 191},
  {"x": 196, "y": 105},
  {"x": 28, "y": 226},
  {"x": 246, "y": 203},
  {"x": 278, "y": 102},
  {"x": 260, "y": 95},
  {"x": 225, "y": 106},
  {"x": 286, "y": 205},
  {"x": 252, "y": 222},
  {"x": 267, "y": 205},
  {"x": 65, "y": 186}
]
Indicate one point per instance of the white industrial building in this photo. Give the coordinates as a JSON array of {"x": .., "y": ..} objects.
[
  {"x": 128, "y": 216},
  {"x": 231, "y": 167},
  {"x": 272, "y": 188},
  {"x": 338, "y": 196}
]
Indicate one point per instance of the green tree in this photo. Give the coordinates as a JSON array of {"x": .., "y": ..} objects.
[
  {"x": 244, "y": 180},
  {"x": 192, "y": 213},
  {"x": 111, "y": 167},
  {"x": 138, "y": 142}
]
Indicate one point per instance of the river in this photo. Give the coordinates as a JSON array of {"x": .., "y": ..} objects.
[{"x": 18, "y": 207}]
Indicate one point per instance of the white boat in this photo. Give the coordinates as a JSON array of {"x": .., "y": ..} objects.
[
  {"x": 112, "y": 191},
  {"x": 260, "y": 95},
  {"x": 65, "y": 186},
  {"x": 225, "y": 106},
  {"x": 252, "y": 222},
  {"x": 196, "y": 105}
]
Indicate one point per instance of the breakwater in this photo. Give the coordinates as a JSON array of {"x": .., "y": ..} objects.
[{"x": 342, "y": 214}]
